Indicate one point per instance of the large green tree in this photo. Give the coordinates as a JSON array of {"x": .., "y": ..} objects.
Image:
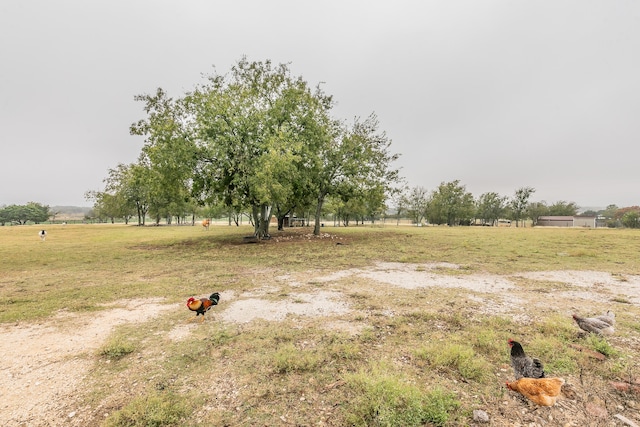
[
  {"x": 628, "y": 216},
  {"x": 266, "y": 142},
  {"x": 490, "y": 207},
  {"x": 132, "y": 184},
  {"x": 631, "y": 219},
  {"x": 169, "y": 154},
  {"x": 258, "y": 130},
  {"x": 535, "y": 210},
  {"x": 110, "y": 206},
  {"x": 416, "y": 202},
  {"x": 355, "y": 157},
  {"x": 451, "y": 204},
  {"x": 21, "y": 214},
  {"x": 518, "y": 204},
  {"x": 258, "y": 140},
  {"x": 562, "y": 208}
]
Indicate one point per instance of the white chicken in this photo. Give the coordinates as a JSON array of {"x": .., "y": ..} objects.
[{"x": 599, "y": 325}]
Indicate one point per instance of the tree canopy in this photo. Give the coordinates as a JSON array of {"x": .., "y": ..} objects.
[
  {"x": 255, "y": 139},
  {"x": 519, "y": 203},
  {"x": 21, "y": 214},
  {"x": 491, "y": 207},
  {"x": 451, "y": 204}
]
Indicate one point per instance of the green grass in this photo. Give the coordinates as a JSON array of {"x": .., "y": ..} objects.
[
  {"x": 601, "y": 345},
  {"x": 384, "y": 398},
  {"x": 425, "y": 356},
  {"x": 288, "y": 358},
  {"x": 153, "y": 410},
  {"x": 459, "y": 358},
  {"x": 116, "y": 348}
]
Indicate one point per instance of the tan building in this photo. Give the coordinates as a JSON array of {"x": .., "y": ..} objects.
[{"x": 567, "y": 221}]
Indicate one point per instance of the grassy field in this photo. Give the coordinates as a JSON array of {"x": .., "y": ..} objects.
[{"x": 423, "y": 356}]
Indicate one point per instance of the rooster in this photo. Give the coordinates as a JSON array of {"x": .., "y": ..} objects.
[
  {"x": 523, "y": 365},
  {"x": 600, "y": 325},
  {"x": 202, "y": 305},
  {"x": 542, "y": 391}
]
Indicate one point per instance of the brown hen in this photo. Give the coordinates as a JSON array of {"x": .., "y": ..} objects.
[{"x": 542, "y": 391}]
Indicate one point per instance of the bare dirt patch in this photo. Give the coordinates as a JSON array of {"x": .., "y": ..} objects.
[
  {"x": 608, "y": 285},
  {"x": 322, "y": 303},
  {"x": 43, "y": 365}
]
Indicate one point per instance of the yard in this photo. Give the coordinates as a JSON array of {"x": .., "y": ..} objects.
[{"x": 367, "y": 326}]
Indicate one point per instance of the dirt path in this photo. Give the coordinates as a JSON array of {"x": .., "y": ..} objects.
[{"x": 43, "y": 365}]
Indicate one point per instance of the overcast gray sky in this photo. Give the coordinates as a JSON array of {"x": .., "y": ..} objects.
[{"x": 497, "y": 94}]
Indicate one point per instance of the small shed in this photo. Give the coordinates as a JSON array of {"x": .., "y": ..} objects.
[{"x": 293, "y": 221}]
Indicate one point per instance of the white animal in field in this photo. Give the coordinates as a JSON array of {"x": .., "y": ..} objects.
[{"x": 42, "y": 234}]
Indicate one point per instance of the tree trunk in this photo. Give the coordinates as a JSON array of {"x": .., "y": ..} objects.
[
  {"x": 261, "y": 217},
  {"x": 255, "y": 214},
  {"x": 316, "y": 228}
]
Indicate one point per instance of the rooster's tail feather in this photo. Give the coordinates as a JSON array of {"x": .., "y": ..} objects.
[{"x": 215, "y": 297}]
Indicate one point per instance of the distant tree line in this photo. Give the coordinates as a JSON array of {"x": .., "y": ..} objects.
[
  {"x": 21, "y": 214},
  {"x": 627, "y": 217},
  {"x": 451, "y": 204},
  {"x": 416, "y": 204}
]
